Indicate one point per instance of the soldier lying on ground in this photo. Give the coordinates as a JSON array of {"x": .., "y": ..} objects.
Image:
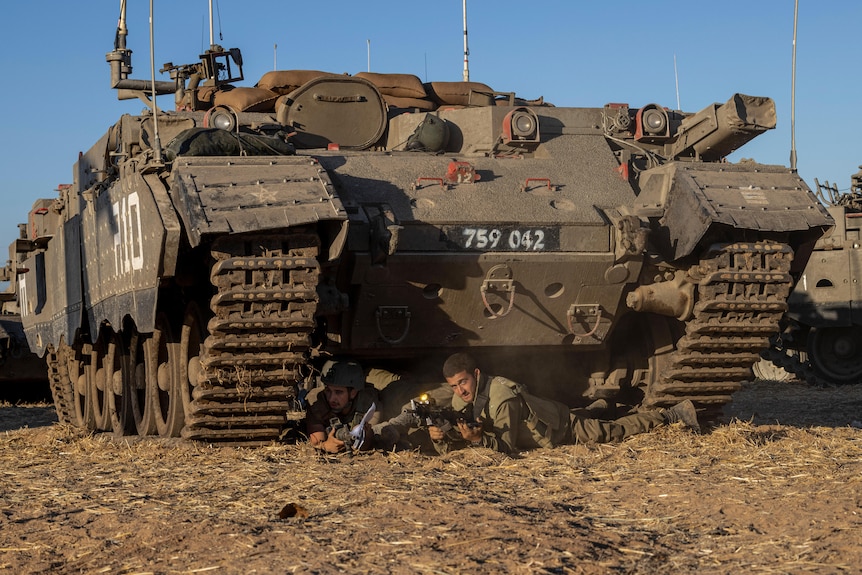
[
  {"x": 341, "y": 415},
  {"x": 509, "y": 418}
]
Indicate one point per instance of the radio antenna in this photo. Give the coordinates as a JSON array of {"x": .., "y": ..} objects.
[
  {"x": 466, "y": 49},
  {"x": 212, "y": 40},
  {"x": 157, "y": 142},
  {"x": 793, "y": 92},
  {"x": 676, "y": 81}
]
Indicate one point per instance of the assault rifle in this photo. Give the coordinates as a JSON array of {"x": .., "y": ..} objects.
[{"x": 429, "y": 413}]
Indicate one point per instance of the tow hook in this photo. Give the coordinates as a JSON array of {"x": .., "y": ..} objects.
[{"x": 498, "y": 280}]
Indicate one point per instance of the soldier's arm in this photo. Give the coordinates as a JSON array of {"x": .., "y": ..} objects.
[
  {"x": 402, "y": 422},
  {"x": 314, "y": 427},
  {"x": 438, "y": 440},
  {"x": 320, "y": 439},
  {"x": 316, "y": 435},
  {"x": 446, "y": 441},
  {"x": 316, "y": 430}
]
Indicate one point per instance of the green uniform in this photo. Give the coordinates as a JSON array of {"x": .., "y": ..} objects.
[{"x": 514, "y": 420}]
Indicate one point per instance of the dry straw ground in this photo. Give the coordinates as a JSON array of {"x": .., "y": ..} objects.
[{"x": 777, "y": 489}]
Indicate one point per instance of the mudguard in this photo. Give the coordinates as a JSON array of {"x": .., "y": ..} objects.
[{"x": 695, "y": 197}]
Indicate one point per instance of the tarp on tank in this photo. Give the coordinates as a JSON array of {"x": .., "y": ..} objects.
[{"x": 217, "y": 142}]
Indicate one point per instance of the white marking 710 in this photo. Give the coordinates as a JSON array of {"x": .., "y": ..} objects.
[{"x": 128, "y": 242}]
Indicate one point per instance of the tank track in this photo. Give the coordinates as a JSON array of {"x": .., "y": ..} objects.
[
  {"x": 792, "y": 362},
  {"x": 264, "y": 307},
  {"x": 61, "y": 386},
  {"x": 742, "y": 294}
]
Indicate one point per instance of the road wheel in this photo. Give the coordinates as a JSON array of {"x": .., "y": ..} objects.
[
  {"x": 119, "y": 385},
  {"x": 97, "y": 377},
  {"x": 142, "y": 415},
  {"x": 836, "y": 352},
  {"x": 191, "y": 341},
  {"x": 75, "y": 367},
  {"x": 163, "y": 378}
]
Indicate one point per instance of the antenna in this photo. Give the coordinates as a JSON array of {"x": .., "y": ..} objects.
[
  {"x": 369, "y": 53},
  {"x": 275, "y": 56},
  {"x": 157, "y": 143},
  {"x": 676, "y": 80},
  {"x": 466, "y": 49},
  {"x": 793, "y": 92},
  {"x": 211, "y": 23}
]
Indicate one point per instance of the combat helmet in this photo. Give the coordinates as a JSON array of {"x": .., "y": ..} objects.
[{"x": 344, "y": 374}]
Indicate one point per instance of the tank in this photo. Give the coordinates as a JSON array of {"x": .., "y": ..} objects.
[
  {"x": 821, "y": 336},
  {"x": 206, "y": 260}
]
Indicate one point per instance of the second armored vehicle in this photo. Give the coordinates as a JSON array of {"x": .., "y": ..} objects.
[
  {"x": 21, "y": 370},
  {"x": 821, "y": 339}
]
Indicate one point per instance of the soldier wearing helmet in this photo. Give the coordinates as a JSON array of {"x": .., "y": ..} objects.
[{"x": 340, "y": 406}]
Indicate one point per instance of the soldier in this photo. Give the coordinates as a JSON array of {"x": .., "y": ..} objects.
[
  {"x": 340, "y": 407},
  {"x": 511, "y": 419}
]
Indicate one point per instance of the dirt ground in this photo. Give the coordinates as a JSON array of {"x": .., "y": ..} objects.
[{"x": 775, "y": 489}]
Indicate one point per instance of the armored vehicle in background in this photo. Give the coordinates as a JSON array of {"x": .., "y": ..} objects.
[
  {"x": 20, "y": 368},
  {"x": 193, "y": 287},
  {"x": 821, "y": 337}
]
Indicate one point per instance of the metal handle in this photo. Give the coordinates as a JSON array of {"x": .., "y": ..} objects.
[
  {"x": 499, "y": 278},
  {"x": 528, "y": 180},
  {"x": 438, "y": 180},
  {"x": 404, "y": 313},
  {"x": 597, "y": 309}
]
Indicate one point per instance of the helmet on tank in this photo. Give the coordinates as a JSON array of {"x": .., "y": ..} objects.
[
  {"x": 343, "y": 374},
  {"x": 431, "y": 135}
]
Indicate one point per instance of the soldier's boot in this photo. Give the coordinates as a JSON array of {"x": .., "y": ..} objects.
[
  {"x": 598, "y": 405},
  {"x": 683, "y": 412}
]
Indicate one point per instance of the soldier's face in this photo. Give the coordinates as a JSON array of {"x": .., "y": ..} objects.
[
  {"x": 338, "y": 397},
  {"x": 463, "y": 385}
]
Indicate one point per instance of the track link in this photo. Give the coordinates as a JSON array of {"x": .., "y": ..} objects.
[
  {"x": 61, "y": 386},
  {"x": 741, "y": 296},
  {"x": 799, "y": 365},
  {"x": 264, "y": 306}
]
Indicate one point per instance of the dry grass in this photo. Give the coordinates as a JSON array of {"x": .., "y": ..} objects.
[{"x": 743, "y": 497}]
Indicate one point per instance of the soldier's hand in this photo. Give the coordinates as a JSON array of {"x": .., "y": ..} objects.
[
  {"x": 472, "y": 433},
  {"x": 333, "y": 444},
  {"x": 435, "y": 433},
  {"x": 369, "y": 438}
]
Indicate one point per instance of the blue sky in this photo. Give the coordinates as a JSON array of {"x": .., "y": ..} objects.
[{"x": 57, "y": 100}]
